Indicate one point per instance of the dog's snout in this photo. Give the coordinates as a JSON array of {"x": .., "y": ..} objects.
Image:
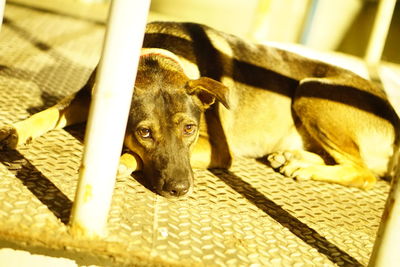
[{"x": 176, "y": 188}]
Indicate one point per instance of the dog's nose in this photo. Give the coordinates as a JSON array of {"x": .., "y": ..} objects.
[{"x": 176, "y": 188}]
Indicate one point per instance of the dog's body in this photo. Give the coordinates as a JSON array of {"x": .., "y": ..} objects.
[{"x": 312, "y": 120}]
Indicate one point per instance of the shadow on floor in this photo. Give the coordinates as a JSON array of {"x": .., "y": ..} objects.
[
  {"x": 40, "y": 186},
  {"x": 294, "y": 225}
]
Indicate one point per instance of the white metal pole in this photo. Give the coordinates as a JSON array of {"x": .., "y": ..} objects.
[
  {"x": 2, "y": 4},
  {"x": 386, "y": 250},
  {"x": 379, "y": 31},
  {"x": 108, "y": 116}
]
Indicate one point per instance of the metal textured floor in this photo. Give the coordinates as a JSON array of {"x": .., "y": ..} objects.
[{"x": 248, "y": 216}]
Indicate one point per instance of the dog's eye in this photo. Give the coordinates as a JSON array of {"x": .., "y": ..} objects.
[
  {"x": 144, "y": 132},
  {"x": 189, "y": 129}
]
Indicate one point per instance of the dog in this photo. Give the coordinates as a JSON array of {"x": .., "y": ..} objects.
[{"x": 203, "y": 97}]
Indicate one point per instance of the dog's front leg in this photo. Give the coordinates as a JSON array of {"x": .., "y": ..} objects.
[
  {"x": 71, "y": 110},
  {"x": 204, "y": 156}
]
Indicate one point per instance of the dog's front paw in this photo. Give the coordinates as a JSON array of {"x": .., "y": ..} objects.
[
  {"x": 8, "y": 137},
  {"x": 124, "y": 170},
  {"x": 128, "y": 163}
]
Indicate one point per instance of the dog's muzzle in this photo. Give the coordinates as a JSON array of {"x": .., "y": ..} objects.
[
  {"x": 174, "y": 179},
  {"x": 176, "y": 187}
]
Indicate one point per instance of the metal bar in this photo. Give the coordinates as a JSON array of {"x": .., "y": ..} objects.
[
  {"x": 386, "y": 248},
  {"x": 379, "y": 32},
  {"x": 308, "y": 21},
  {"x": 108, "y": 116}
]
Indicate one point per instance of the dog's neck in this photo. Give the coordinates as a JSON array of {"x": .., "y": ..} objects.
[
  {"x": 147, "y": 52},
  {"x": 187, "y": 67}
]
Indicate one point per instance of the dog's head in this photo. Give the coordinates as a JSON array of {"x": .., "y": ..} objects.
[{"x": 164, "y": 120}]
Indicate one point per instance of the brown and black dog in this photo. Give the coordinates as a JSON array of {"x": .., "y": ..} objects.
[{"x": 203, "y": 96}]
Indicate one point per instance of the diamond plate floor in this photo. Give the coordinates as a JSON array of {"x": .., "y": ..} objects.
[{"x": 248, "y": 216}]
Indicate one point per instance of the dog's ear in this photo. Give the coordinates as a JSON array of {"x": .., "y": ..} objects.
[{"x": 208, "y": 90}]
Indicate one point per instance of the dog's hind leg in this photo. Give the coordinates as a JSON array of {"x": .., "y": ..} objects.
[
  {"x": 353, "y": 126},
  {"x": 70, "y": 110}
]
